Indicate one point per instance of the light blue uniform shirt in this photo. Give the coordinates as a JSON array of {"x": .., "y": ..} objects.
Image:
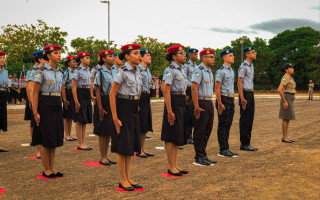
[
  {"x": 105, "y": 76},
  {"x": 4, "y": 78},
  {"x": 189, "y": 69},
  {"x": 246, "y": 71},
  {"x": 204, "y": 78},
  {"x": 146, "y": 78},
  {"x": 22, "y": 83},
  {"x": 33, "y": 72},
  {"x": 15, "y": 83},
  {"x": 94, "y": 71},
  {"x": 82, "y": 75},
  {"x": 176, "y": 78},
  {"x": 129, "y": 80},
  {"x": 68, "y": 77},
  {"x": 50, "y": 80},
  {"x": 165, "y": 72},
  {"x": 225, "y": 76}
]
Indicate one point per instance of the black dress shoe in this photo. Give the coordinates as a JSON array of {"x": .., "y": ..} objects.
[
  {"x": 143, "y": 156},
  {"x": 149, "y": 154},
  {"x": 174, "y": 174},
  {"x": 247, "y": 148},
  {"x": 59, "y": 174},
  {"x": 74, "y": 139},
  {"x": 112, "y": 162},
  {"x": 234, "y": 154},
  {"x": 38, "y": 157},
  {"x": 84, "y": 149},
  {"x": 190, "y": 141},
  {"x": 148, "y": 137},
  {"x": 104, "y": 163},
  {"x": 126, "y": 188},
  {"x": 49, "y": 176},
  {"x": 3, "y": 150},
  {"x": 225, "y": 153},
  {"x": 184, "y": 172},
  {"x": 137, "y": 186},
  {"x": 289, "y": 141},
  {"x": 70, "y": 140},
  {"x": 210, "y": 161},
  {"x": 202, "y": 161},
  {"x": 180, "y": 147}
]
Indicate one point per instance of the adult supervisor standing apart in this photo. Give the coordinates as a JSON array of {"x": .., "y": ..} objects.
[
  {"x": 287, "y": 90},
  {"x": 144, "y": 102},
  {"x": 173, "y": 124},
  {"x": 311, "y": 86},
  {"x": 125, "y": 113},
  {"x": 3, "y": 95},
  {"x": 47, "y": 110},
  {"x": 224, "y": 88},
  {"x": 246, "y": 100},
  {"x": 202, "y": 92}
]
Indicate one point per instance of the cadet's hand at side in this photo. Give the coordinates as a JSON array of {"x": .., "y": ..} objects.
[
  {"x": 285, "y": 105},
  {"x": 77, "y": 107},
  {"x": 102, "y": 112},
  {"x": 197, "y": 112},
  {"x": 37, "y": 118},
  {"x": 221, "y": 108},
  {"x": 244, "y": 103},
  {"x": 117, "y": 124},
  {"x": 171, "y": 118}
]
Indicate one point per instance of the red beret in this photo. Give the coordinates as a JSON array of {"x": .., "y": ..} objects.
[
  {"x": 175, "y": 48},
  {"x": 130, "y": 47},
  {"x": 52, "y": 48},
  {"x": 71, "y": 57},
  {"x": 206, "y": 51},
  {"x": 2, "y": 53},
  {"x": 15, "y": 76},
  {"x": 83, "y": 54},
  {"x": 23, "y": 77},
  {"x": 106, "y": 52}
]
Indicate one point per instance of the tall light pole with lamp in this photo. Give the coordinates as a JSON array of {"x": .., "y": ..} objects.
[
  {"x": 241, "y": 42},
  {"x": 108, "y": 2}
]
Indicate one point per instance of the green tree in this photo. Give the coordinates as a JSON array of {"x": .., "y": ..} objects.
[
  {"x": 237, "y": 49},
  {"x": 92, "y": 46},
  {"x": 264, "y": 56},
  {"x": 292, "y": 46},
  {"x": 313, "y": 66},
  {"x": 20, "y": 41}
]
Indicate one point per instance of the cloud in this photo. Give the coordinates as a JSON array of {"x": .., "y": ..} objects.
[
  {"x": 280, "y": 25},
  {"x": 229, "y": 30},
  {"x": 315, "y": 7}
]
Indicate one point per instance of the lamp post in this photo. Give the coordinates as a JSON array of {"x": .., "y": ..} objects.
[
  {"x": 108, "y": 2},
  {"x": 241, "y": 42}
]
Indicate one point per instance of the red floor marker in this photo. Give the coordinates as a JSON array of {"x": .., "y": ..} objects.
[
  {"x": 42, "y": 177},
  {"x": 135, "y": 190},
  {"x": 93, "y": 164},
  {"x": 135, "y": 156},
  {"x": 169, "y": 175},
  {"x": 33, "y": 157},
  {"x": 75, "y": 149},
  {"x": 2, "y": 190}
]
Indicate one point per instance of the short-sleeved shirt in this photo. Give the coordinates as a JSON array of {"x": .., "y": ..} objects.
[
  {"x": 82, "y": 75},
  {"x": 50, "y": 80},
  {"x": 22, "y": 84},
  {"x": 165, "y": 72},
  {"x": 33, "y": 72},
  {"x": 129, "y": 80},
  {"x": 15, "y": 83},
  {"x": 311, "y": 86},
  {"x": 246, "y": 71},
  {"x": 176, "y": 78},
  {"x": 146, "y": 78},
  {"x": 4, "y": 78},
  {"x": 225, "y": 75},
  {"x": 189, "y": 69},
  {"x": 204, "y": 78},
  {"x": 68, "y": 77},
  {"x": 288, "y": 83},
  {"x": 94, "y": 71},
  {"x": 114, "y": 70},
  {"x": 105, "y": 77}
]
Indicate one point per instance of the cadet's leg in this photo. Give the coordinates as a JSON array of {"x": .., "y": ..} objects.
[
  {"x": 285, "y": 125},
  {"x": 79, "y": 134},
  {"x": 84, "y": 126},
  {"x": 171, "y": 154},
  {"x": 69, "y": 127},
  {"x": 45, "y": 156},
  {"x": 52, "y": 153},
  {"x": 121, "y": 160},
  {"x": 107, "y": 147},
  {"x": 128, "y": 165},
  {"x": 102, "y": 148},
  {"x": 143, "y": 141},
  {"x": 222, "y": 129}
]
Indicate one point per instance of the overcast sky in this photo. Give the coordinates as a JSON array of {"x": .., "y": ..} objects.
[{"x": 195, "y": 23}]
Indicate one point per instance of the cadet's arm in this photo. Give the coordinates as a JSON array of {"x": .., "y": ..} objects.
[
  {"x": 240, "y": 88},
  {"x": 218, "y": 94},
  {"x": 194, "y": 91}
]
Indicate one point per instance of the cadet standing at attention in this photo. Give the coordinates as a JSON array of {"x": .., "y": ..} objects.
[
  {"x": 287, "y": 90},
  {"x": 189, "y": 68},
  {"x": 68, "y": 101},
  {"x": 144, "y": 102},
  {"x": 3, "y": 95},
  {"x": 125, "y": 113},
  {"x": 104, "y": 126},
  {"x": 22, "y": 88},
  {"x": 82, "y": 98},
  {"x": 174, "y": 115},
  {"x": 224, "y": 89},
  {"x": 311, "y": 86},
  {"x": 15, "y": 89},
  {"x": 47, "y": 110},
  {"x": 93, "y": 94},
  {"x": 246, "y": 99},
  {"x": 117, "y": 64},
  {"x": 202, "y": 92}
]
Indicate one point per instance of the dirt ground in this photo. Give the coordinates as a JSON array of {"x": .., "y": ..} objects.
[{"x": 276, "y": 171}]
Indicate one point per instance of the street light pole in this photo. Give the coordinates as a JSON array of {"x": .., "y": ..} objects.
[
  {"x": 108, "y": 2},
  {"x": 241, "y": 42}
]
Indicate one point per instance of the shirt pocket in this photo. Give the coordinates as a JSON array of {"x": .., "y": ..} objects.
[{"x": 179, "y": 82}]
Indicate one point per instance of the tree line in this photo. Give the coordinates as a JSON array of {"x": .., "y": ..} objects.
[{"x": 299, "y": 47}]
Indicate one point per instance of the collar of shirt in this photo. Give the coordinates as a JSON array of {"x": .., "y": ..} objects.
[
  {"x": 82, "y": 68},
  {"x": 70, "y": 70},
  {"x": 205, "y": 68},
  {"x": 105, "y": 69},
  {"x": 98, "y": 66},
  {"x": 245, "y": 61},
  {"x": 286, "y": 76},
  {"x": 175, "y": 65},
  {"x": 191, "y": 63},
  {"x": 142, "y": 68},
  {"x": 49, "y": 67},
  {"x": 226, "y": 66},
  {"x": 35, "y": 67},
  {"x": 128, "y": 66}
]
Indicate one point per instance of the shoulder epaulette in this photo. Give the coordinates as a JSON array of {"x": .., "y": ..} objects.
[
  {"x": 221, "y": 68},
  {"x": 124, "y": 68},
  {"x": 201, "y": 67},
  {"x": 172, "y": 66},
  {"x": 42, "y": 68},
  {"x": 78, "y": 68},
  {"x": 245, "y": 64}
]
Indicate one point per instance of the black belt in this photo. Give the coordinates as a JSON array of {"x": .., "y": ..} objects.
[
  {"x": 68, "y": 87},
  {"x": 248, "y": 90},
  {"x": 84, "y": 86},
  {"x": 289, "y": 93},
  {"x": 54, "y": 94},
  {"x": 128, "y": 97},
  {"x": 178, "y": 93},
  {"x": 104, "y": 93},
  {"x": 227, "y": 95}
]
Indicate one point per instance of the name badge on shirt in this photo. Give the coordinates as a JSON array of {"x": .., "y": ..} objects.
[
  {"x": 50, "y": 81},
  {"x": 181, "y": 77}
]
